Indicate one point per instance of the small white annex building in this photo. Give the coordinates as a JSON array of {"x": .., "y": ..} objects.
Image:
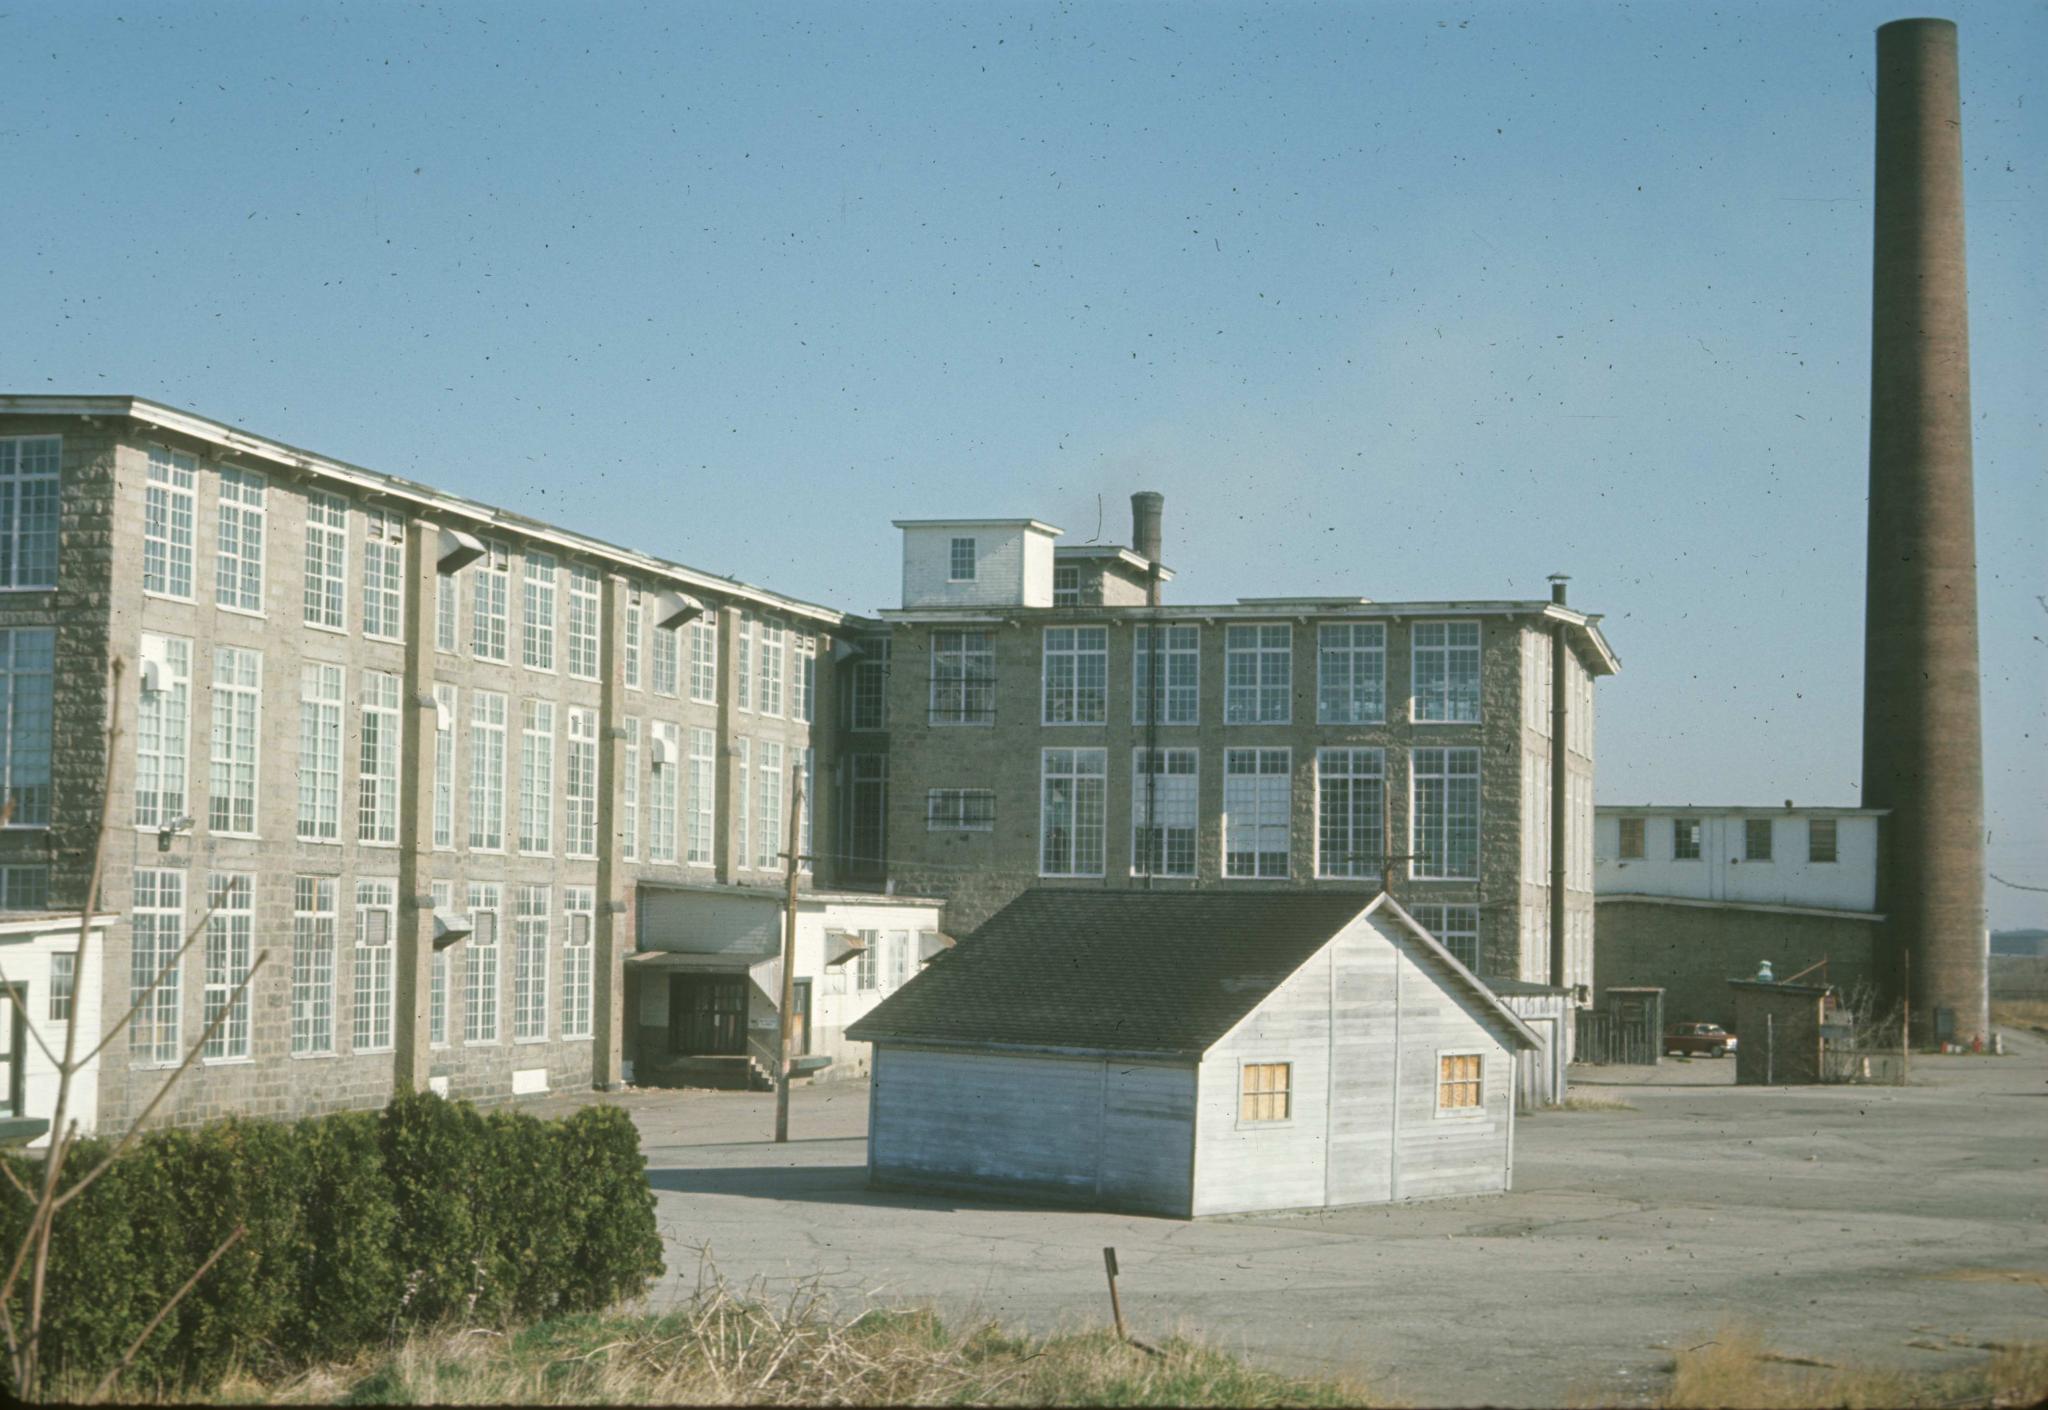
[
  {"x": 40, "y": 983},
  {"x": 1195, "y": 1053}
]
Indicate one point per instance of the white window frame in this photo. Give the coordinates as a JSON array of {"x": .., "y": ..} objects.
[
  {"x": 447, "y": 701},
  {"x": 236, "y": 745},
  {"x": 1434, "y": 763},
  {"x": 321, "y": 689},
  {"x": 1270, "y": 791},
  {"x": 157, "y": 929},
  {"x": 63, "y": 985},
  {"x": 703, "y": 784},
  {"x": 704, "y": 659},
  {"x": 315, "y": 936},
  {"x": 666, "y": 649},
  {"x": 383, "y": 575},
  {"x": 664, "y": 783},
  {"x": 771, "y": 664},
  {"x": 771, "y": 797},
  {"x": 531, "y": 906},
  {"x": 867, "y": 977},
  {"x": 1074, "y": 676},
  {"x": 1258, "y": 673},
  {"x": 1085, "y": 772},
  {"x": 447, "y": 612},
  {"x": 325, "y": 599},
  {"x": 972, "y": 698},
  {"x": 490, "y": 609},
  {"x": 489, "y": 723},
  {"x": 1459, "y": 1113},
  {"x": 536, "y": 778},
  {"x": 437, "y": 972},
  {"x": 629, "y": 793},
  {"x": 586, "y": 607},
  {"x": 481, "y": 965},
  {"x": 27, "y": 723},
  {"x": 803, "y": 678},
  {"x": 163, "y": 734},
  {"x": 241, "y": 525},
  {"x": 743, "y": 663},
  {"x": 956, "y": 560},
  {"x": 1340, "y": 828},
  {"x": 1351, "y": 673},
  {"x": 579, "y": 963},
  {"x": 636, "y": 614},
  {"x": 1180, "y": 660},
  {"x": 1440, "y": 654},
  {"x": 382, "y": 748},
  {"x": 170, "y": 522},
  {"x": 1066, "y": 585},
  {"x": 579, "y": 786},
  {"x": 1162, "y": 852},
  {"x": 374, "y": 966},
  {"x": 31, "y": 491},
  {"x": 742, "y": 803},
  {"x": 540, "y": 588}
]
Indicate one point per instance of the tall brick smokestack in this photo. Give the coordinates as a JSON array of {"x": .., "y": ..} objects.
[{"x": 1923, "y": 753}]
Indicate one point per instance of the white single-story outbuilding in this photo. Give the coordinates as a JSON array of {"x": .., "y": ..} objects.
[{"x": 1195, "y": 1053}]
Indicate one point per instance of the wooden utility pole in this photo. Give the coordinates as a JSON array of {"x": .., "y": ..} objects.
[{"x": 796, "y": 813}]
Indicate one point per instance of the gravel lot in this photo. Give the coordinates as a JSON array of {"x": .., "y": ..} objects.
[{"x": 1890, "y": 1225}]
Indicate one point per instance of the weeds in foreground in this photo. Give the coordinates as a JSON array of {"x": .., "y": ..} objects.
[
  {"x": 1737, "y": 1367},
  {"x": 1589, "y": 1101},
  {"x": 748, "y": 1348}
]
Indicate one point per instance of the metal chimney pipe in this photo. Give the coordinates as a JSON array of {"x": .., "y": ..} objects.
[
  {"x": 1148, "y": 510},
  {"x": 1923, "y": 754}
]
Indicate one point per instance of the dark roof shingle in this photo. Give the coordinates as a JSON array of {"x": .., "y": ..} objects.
[{"x": 1114, "y": 971}]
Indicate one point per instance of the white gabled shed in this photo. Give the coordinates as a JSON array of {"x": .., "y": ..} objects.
[{"x": 1195, "y": 1053}]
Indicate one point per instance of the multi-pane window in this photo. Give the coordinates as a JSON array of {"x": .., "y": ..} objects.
[
  {"x": 490, "y": 587},
  {"x": 1631, "y": 839},
  {"x": 24, "y": 888},
  {"x": 662, "y": 783},
  {"x": 375, "y": 965},
  {"x": 703, "y": 784},
  {"x": 169, "y": 511},
  {"x": 1458, "y": 1081},
  {"x": 1351, "y": 673},
  {"x": 536, "y": 776},
  {"x": 585, "y": 601},
  {"x": 63, "y": 984},
  {"x": 1756, "y": 839},
  {"x": 1076, "y": 675},
  {"x": 579, "y": 949},
  {"x": 444, "y": 766},
  {"x": 162, "y": 727},
  {"x": 437, "y": 972},
  {"x": 1266, "y": 1091},
  {"x": 963, "y": 678},
  {"x": 665, "y": 651},
  {"x": 807, "y": 792},
  {"x": 579, "y": 792},
  {"x": 636, "y": 616},
  {"x": 537, "y": 611},
  {"x": 158, "y": 931},
  {"x": 867, "y": 702},
  {"x": 629, "y": 799},
  {"x": 313, "y": 940},
  {"x": 866, "y": 964},
  {"x": 959, "y": 810},
  {"x": 238, "y": 542},
  {"x": 237, "y": 728},
  {"x": 1350, "y": 812},
  {"x": 377, "y": 787},
  {"x": 1820, "y": 840},
  {"x": 326, "y": 595},
  {"x": 1073, "y": 785},
  {"x": 529, "y": 963},
  {"x": 1457, "y": 927},
  {"x": 1444, "y": 793},
  {"x": 447, "y": 605},
  {"x": 768, "y": 814},
  {"x": 1258, "y": 674},
  {"x": 26, "y": 659},
  {"x": 742, "y": 795},
  {"x": 1258, "y": 801},
  {"x": 1685, "y": 839},
  {"x": 772, "y": 657},
  {"x": 704, "y": 658},
  {"x": 1164, "y": 811},
  {"x": 383, "y": 574},
  {"x": 1178, "y": 650},
  {"x": 960, "y": 562},
  {"x": 1066, "y": 586},
  {"x": 487, "y": 721},
  {"x": 743, "y": 662},
  {"x": 29, "y": 483},
  {"x": 803, "y": 680},
  {"x": 230, "y": 937},
  {"x": 480, "y": 965},
  {"x": 1446, "y": 671},
  {"x": 320, "y": 753}
]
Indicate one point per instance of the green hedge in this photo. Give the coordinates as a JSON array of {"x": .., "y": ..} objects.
[{"x": 360, "y": 1226}]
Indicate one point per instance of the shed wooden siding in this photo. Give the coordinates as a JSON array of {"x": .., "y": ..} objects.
[
  {"x": 1111, "y": 1133},
  {"x": 1338, "y": 1017}
]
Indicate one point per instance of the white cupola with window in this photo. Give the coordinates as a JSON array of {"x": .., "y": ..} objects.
[{"x": 977, "y": 562}]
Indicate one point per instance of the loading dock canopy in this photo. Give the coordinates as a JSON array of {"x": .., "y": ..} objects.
[{"x": 1135, "y": 973}]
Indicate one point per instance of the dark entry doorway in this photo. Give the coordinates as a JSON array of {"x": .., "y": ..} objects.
[{"x": 707, "y": 1015}]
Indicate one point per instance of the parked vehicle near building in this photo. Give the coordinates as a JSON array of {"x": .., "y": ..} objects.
[{"x": 1699, "y": 1040}]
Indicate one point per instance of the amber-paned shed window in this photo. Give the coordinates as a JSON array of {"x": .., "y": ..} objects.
[
  {"x": 1631, "y": 839},
  {"x": 1266, "y": 1095},
  {"x": 1458, "y": 1081}
]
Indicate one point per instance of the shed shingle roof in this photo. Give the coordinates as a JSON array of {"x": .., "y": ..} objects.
[{"x": 1108, "y": 971}]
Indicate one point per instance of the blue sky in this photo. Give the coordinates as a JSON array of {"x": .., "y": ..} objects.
[{"x": 1406, "y": 301}]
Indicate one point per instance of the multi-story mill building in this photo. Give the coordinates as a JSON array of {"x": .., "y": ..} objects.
[{"x": 1052, "y": 721}]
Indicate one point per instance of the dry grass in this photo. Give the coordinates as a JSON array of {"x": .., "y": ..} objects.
[
  {"x": 727, "y": 1348},
  {"x": 2020, "y": 1013},
  {"x": 1737, "y": 1368},
  {"x": 1590, "y": 1101}
]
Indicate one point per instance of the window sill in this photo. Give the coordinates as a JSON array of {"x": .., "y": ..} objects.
[
  {"x": 480, "y": 1042},
  {"x": 386, "y": 1051},
  {"x": 255, "y": 614},
  {"x": 188, "y": 600},
  {"x": 27, "y": 587},
  {"x": 538, "y": 670},
  {"x": 243, "y": 1061},
  {"x": 309, "y": 841},
  {"x": 341, "y": 630},
  {"x": 308, "y": 1057}
]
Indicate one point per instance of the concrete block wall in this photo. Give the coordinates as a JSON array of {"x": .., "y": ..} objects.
[{"x": 1691, "y": 952}]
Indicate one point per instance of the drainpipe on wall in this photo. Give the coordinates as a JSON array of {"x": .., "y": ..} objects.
[
  {"x": 1558, "y": 773},
  {"x": 1148, "y": 509}
]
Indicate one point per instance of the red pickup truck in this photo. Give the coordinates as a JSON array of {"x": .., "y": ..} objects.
[{"x": 1699, "y": 1040}]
